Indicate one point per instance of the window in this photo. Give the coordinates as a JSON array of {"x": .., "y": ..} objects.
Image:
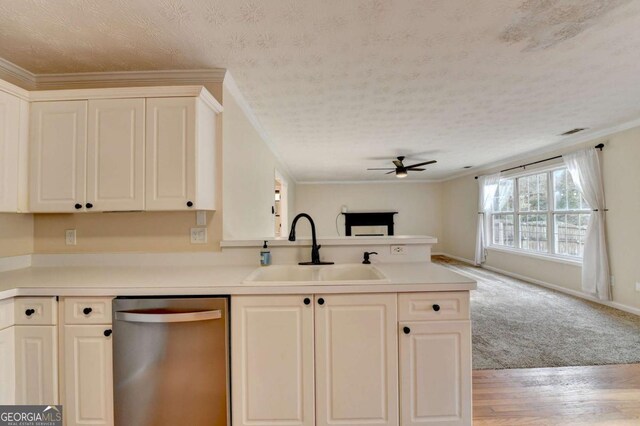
[{"x": 542, "y": 212}]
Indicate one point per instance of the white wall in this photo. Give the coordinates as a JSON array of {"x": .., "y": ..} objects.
[
  {"x": 419, "y": 205},
  {"x": 248, "y": 187},
  {"x": 621, "y": 170}
]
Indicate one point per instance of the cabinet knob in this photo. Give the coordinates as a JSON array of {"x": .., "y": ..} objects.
[
  {"x": 189, "y": 204},
  {"x": 78, "y": 206},
  {"x": 107, "y": 332},
  {"x": 87, "y": 311},
  {"x": 321, "y": 301},
  {"x": 89, "y": 206},
  {"x": 29, "y": 312},
  {"x": 307, "y": 301},
  {"x": 406, "y": 330},
  {"x": 436, "y": 307}
]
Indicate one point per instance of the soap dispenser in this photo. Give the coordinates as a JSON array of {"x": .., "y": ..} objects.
[{"x": 265, "y": 255}]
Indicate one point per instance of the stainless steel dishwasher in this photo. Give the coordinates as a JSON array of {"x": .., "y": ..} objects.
[{"x": 171, "y": 361}]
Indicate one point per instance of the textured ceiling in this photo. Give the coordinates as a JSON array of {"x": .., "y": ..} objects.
[{"x": 339, "y": 83}]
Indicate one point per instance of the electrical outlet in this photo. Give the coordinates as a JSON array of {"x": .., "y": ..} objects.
[
  {"x": 70, "y": 237},
  {"x": 198, "y": 235},
  {"x": 398, "y": 250},
  {"x": 201, "y": 218}
]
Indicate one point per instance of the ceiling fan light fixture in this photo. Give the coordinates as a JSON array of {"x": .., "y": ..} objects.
[{"x": 401, "y": 173}]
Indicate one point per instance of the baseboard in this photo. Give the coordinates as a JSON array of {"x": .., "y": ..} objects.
[
  {"x": 561, "y": 289},
  {"x": 12, "y": 263},
  {"x": 461, "y": 259}
]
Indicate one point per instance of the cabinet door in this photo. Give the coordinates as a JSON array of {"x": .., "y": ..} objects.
[
  {"x": 7, "y": 366},
  {"x": 58, "y": 156},
  {"x": 435, "y": 372},
  {"x": 356, "y": 359},
  {"x": 88, "y": 375},
  {"x": 170, "y": 153},
  {"x": 36, "y": 365},
  {"x": 115, "y": 154},
  {"x": 272, "y": 360},
  {"x": 10, "y": 151}
]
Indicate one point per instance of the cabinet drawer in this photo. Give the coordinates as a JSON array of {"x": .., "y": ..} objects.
[
  {"x": 35, "y": 310},
  {"x": 433, "y": 306},
  {"x": 81, "y": 310}
]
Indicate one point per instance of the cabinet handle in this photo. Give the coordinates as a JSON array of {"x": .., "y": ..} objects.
[
  {"x": 189, "y": 204},
  {"x": 78, "y": 206},
  {"x": 107, "y": 332},
  {"x": 87, "y": 311},
  {"x": 89, "y": 205},
  {"x": 321, "y": 301},
  {"x": 307, "y": 301},
  {"x": 436, "y": 307},
  {"x": 406, "y": 330},
  {"x": 29, "y": 312}
]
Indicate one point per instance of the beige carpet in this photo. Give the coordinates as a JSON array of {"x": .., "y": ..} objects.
[{"x": 521, "y": 325}]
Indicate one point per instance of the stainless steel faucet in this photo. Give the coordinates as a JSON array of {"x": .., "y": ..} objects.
[{"x": 315, "y": 248}]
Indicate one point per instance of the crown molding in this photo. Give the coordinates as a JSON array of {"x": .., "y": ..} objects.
[
  {"x": 126, "y": 92},
  {"x": 14, "y": 90},
  {"x": 233, "y": 89},
  {"x": 17, "y": 75},
  {"x": 128, "y": 78}
]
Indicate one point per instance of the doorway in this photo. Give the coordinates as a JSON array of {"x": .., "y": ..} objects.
[{"x": 281, "y": 207}]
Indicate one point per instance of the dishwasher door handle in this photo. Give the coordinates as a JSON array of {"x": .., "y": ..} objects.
[{"x": 163, "y": 318}]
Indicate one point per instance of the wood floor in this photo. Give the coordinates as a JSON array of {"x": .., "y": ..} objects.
[{"x": 596, "y": 395}]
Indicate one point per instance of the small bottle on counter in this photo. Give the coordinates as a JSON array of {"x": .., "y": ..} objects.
[{"x": 265, "y": 255}]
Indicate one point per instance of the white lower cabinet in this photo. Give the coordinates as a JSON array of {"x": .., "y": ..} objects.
[
  {"x": 28, "y": 353},
  {"x": 356, "y": 359},
  {"x": 7, "y": 366},
  {"x": 36, "y": 364},
  {"x": 273, "y": 360},
  {"x": 88, "y": 375},
  {"x": 435, "y": 373},
  {"x": 87, "y": 366}
]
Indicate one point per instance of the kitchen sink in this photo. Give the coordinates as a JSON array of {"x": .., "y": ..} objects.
[{"x": 318, "y": 275}]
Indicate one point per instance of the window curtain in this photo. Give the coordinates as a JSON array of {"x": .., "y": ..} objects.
[
  {"x": 584, "y": 166},
  {"x": 487, "y": 187}
]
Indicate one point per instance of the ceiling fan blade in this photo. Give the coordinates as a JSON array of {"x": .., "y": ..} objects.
[
  {"x": 392, "y": 171},
  {"x": 415, "y": 170},
  {"x": 421, "y": 164},
  {"x": 386, "y": 168},
  {"x": 398, "y": 163}
]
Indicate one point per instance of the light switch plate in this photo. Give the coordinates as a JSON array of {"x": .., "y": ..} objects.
[
  {"x": 70, "y": 237},
  {"x": 637, "y": 285},
  {"x": 201, "y": 218},
  {"x": 198, "y": 235}
]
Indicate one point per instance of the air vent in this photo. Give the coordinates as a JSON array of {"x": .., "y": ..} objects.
[{"x": 573, "y": 131}]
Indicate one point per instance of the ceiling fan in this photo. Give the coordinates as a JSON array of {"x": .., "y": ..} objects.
[{"x": 401, "y": 170}]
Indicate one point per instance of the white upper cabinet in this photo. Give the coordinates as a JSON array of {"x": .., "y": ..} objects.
[
  {"x": 13, "y": 153},
  {"x": 180, "y": 154},
  {"x": 115, "y": 155},
  {"x": 58, "y": 156},
  {"x": 121, "y": 149}
]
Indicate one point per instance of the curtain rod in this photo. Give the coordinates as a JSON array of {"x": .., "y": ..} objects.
[{"x": 599, "y": 146}]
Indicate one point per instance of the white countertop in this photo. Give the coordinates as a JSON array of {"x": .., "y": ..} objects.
[{"x": 209, "y": 280}]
